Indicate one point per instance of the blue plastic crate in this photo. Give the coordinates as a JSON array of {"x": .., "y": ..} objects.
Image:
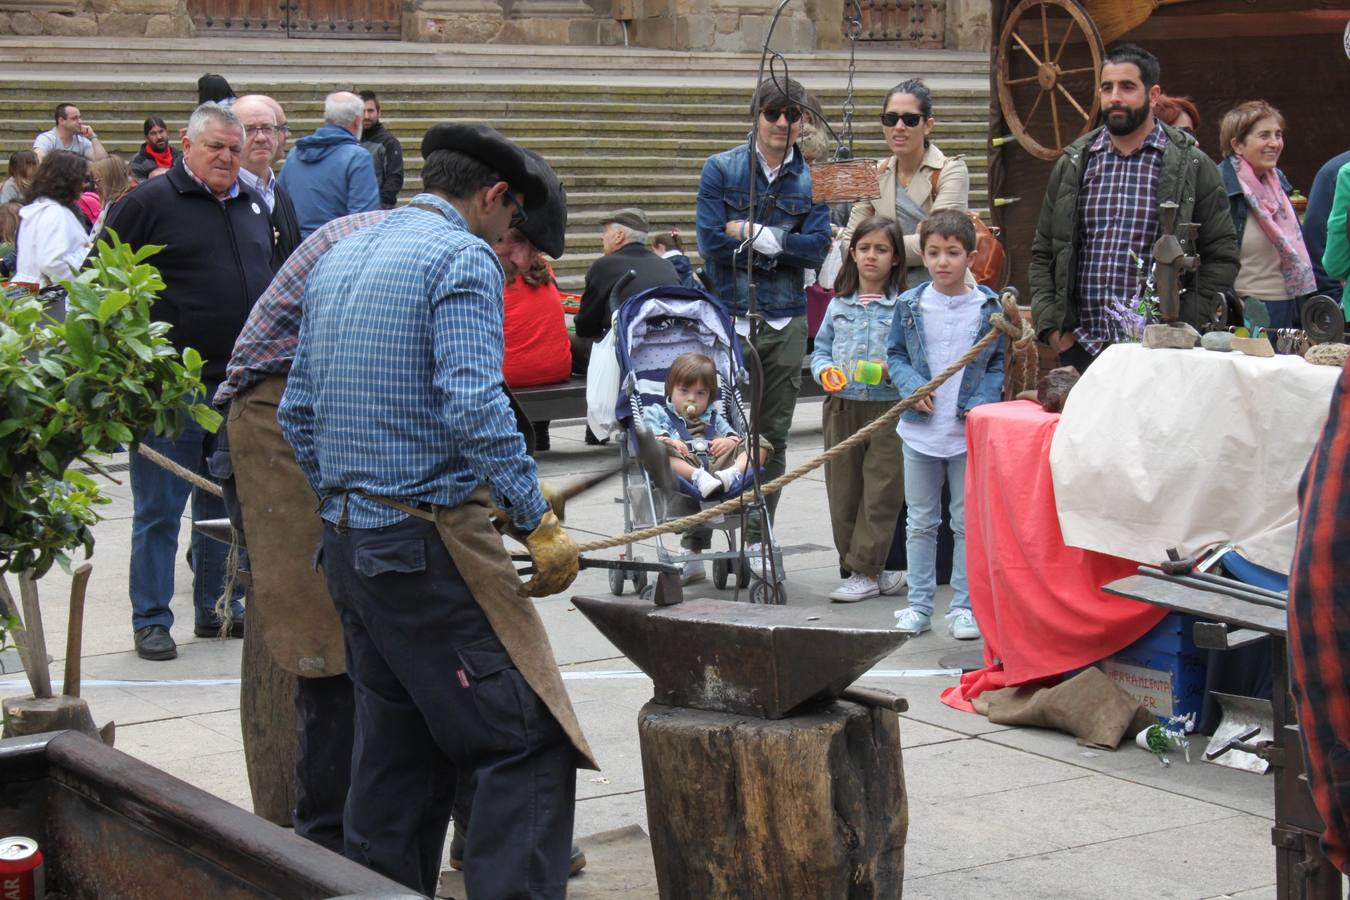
[{"x": 1163, "y": 669}]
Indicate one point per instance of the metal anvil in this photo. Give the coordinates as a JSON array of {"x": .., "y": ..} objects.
[
  {"x": 1171, "y": 261},
  {"x": 742, "y": 658}
]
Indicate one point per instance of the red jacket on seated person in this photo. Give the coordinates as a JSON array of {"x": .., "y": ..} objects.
[{"x": 538, "y": 350}]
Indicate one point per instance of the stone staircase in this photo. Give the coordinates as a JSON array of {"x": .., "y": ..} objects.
[{"x": 616, "y": 138}]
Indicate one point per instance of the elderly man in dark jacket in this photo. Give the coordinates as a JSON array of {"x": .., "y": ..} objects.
[
  {"x": 216, "y": 261},
  {"x": 1102, "y": 204}
]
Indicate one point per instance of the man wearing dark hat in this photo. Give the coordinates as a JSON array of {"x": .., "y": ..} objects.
[
  {"x": 401, "y": 427},
  {"x": 291, "y": 609},
  {"x": 623, "y": 241}
]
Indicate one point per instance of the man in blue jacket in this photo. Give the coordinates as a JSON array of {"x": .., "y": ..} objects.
[
  {"x": 329, "y": 174},
  {"x": 791, "y": 235}
]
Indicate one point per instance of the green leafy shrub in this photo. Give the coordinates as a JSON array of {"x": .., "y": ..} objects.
[{"x": 104, "y": 377}]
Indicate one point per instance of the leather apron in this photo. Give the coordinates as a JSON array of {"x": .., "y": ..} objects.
[
  {"x": 485, "y": 565},
  {"x": 289, "y": 604}
]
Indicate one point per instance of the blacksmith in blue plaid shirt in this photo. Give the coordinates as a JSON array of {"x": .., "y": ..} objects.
[
  {"x": 395, "y": 396},
  {"x": 1102, "y": 204}
]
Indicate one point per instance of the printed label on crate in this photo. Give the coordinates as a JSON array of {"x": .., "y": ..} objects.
[{"x": 1151, "y": 687}]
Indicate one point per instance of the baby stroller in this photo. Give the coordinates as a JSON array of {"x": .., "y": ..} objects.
[{"x": 653, "y": 328}]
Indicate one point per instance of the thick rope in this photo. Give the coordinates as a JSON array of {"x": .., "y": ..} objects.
[
  {"x": 187, "y": 475},
  {"x": 1021, "y": 335}
]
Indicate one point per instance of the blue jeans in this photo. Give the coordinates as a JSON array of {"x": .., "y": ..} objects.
[
  {"x": 158, "y": 498},
  {"x": 924, "y": 476}
]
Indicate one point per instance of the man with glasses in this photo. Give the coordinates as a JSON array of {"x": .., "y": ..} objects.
[
  {"x": 216, "y": 261},
  {"x": 790, "y": 234},
  {"x": 261, "y": 140},
  {"x": 329, "y": 174},
  {"x": 402, "y": 428}
]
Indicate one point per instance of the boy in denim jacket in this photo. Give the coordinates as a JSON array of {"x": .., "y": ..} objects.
[{"x": 935, "y": 324}]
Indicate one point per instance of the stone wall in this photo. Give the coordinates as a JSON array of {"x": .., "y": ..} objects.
[
  {"x": 732, "y": 25},
  {"x": 87, "y": 18}
]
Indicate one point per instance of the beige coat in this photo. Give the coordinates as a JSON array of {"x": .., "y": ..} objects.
[{"x": 953, "y": 192}]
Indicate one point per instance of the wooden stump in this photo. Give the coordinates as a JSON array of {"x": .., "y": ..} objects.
[
  {"x": 809, "y": 806},
  {"x": 267, "y": 715}
]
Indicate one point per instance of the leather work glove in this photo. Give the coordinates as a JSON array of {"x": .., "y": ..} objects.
[
  {"x": 553, "y": 496},
  {"x": 554, "y": 555}
]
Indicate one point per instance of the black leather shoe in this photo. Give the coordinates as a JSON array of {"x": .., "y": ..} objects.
[
  {"x": 575, "y": 864},
  {"x": 155, "y": 642},
  {"x": 212, "y": 629}
]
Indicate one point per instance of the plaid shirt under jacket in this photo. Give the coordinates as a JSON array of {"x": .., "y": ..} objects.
[
  {"x": 266, "y": 345},
  {"x": 1117, "y": 213},
  {"x": 1319, "y": 626},
  {"x": 396, "y": 387}
]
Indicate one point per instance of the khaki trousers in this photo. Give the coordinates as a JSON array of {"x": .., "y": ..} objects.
[{"x": 865, "y": 487}]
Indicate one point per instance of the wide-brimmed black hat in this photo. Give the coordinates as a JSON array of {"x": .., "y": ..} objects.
[
  {"x": 547, "y": 226},
  {"x": 487, "y": 145}
]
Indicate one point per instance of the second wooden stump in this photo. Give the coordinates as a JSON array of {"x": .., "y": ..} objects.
[{"x": 808, "y": 806}]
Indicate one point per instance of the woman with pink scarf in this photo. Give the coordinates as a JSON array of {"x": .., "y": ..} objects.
[{"x": 1276, "y": 271}]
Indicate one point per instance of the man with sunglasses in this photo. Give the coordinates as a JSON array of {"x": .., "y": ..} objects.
[
  {"x": 790, "y": 234},
  {"x": 395, "y": 409}
]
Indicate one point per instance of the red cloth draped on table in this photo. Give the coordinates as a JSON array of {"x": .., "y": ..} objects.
[{"x": 1038, "y": 602}]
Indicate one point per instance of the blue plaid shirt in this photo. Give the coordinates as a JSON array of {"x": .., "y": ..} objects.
[
  {"x": 396, "y": 387},
  {"x": 1117, "y": 212}
]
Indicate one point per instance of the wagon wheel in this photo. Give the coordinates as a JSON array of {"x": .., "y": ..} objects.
[{"x": 1057, "y": 90}]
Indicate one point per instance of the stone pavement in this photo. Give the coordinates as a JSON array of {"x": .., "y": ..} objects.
[{"x": 994, "y": 811}]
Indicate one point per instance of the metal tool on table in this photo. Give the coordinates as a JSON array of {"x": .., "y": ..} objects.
[{"x": 1231, "y": 615}]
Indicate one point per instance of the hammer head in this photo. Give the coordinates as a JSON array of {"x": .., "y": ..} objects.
[{"x": 653, "y": 458}]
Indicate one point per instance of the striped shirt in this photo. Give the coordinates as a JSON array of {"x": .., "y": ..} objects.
[
  {"x": 1319, "y": 626},
  {"x": 266, "y": 346},
  {"x": 1117, "y": 213},
  {"x": 396, "y": 387}
]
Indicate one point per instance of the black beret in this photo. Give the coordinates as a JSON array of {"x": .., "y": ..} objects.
[
  {"x": 546, "y": 227},
  {"x": 486, "y": 145}
]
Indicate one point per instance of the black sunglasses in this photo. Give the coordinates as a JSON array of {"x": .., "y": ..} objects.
[
  {"x": 793, "y": 113},
  {"x": 911, "y": 120}
]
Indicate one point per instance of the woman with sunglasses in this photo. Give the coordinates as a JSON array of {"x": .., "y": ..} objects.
[{"x": 917, "y": 177}]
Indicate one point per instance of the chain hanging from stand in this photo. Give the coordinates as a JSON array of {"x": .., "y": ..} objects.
[
  {"x": 854, "y": 24},
  {"x": 846, "y": 179}
]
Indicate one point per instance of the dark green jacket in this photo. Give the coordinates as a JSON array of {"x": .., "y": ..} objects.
[{"x": 1188, "y": 177}]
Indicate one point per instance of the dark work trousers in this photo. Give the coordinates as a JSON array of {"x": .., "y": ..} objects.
[
  {"x": 325, "y": 715},
  {"x": 437, "y": 695},
  {"x": 1078, "y": 357}
]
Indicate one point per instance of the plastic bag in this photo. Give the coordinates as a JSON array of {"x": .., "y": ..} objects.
[{"x": 602, "y": 387}]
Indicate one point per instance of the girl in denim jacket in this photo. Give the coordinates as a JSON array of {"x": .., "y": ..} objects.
[
  {"x": 865, "y": 487},
  {"x": 935, "y": 324}
]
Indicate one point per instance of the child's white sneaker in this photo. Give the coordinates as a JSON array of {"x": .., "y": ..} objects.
[
  {"x": 913, "y": 620},
  {"x": 892, "y": 581},
  {"x": 961, "y": 624},
  {"x": 707, "y": 483},
  {"x": 727, "y": 477},
  {"x": 856, "y": 587}
]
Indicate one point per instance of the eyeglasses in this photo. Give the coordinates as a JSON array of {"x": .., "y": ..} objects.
[
  {"x": 264, "y": 130},
  {"x": 793, "y": 113},
  {"x": 519, "y": 217},
  {"x": 911, "y": 120}
]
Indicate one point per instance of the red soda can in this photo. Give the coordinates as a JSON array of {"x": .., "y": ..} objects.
[{"x": 21, "y": 870}]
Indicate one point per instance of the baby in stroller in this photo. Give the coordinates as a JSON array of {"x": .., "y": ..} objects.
[{"x": 703, "y": 448}]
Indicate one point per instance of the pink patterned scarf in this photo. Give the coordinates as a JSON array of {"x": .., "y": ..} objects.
[{"x": 1267, "y": 203}]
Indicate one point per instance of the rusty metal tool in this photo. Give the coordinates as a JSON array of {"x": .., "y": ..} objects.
[
  {"x": 1219, "y": 585},
  {"x": 746, "y": 659}
]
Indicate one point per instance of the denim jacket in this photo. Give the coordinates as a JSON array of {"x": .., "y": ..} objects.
[
  {"x": 850, "y": 332},
  {"x": 981, "y": 381},
  {"x": 801, "y": 226}
]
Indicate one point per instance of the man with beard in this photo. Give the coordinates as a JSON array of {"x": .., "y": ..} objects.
[
  {"x": 384, "y": 148},
  {"x": 1102, "y": 203},
  {"x": 155, "y": 156}
]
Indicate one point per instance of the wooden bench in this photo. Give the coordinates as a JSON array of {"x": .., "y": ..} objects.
[{"x": 567, "y": 399}]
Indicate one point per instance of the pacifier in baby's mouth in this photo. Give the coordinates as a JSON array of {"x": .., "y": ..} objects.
[{"x": 690, "y": 410}]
